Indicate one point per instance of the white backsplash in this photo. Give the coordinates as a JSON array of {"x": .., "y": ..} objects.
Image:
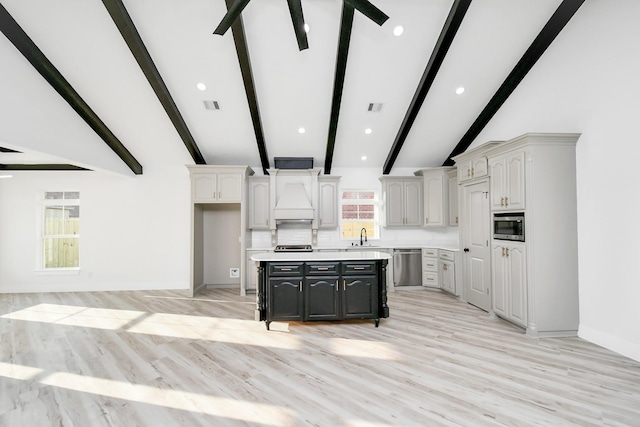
[{"x": 294, "y": 234}]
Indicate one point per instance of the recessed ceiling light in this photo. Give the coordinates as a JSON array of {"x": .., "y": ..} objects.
[
  {"x": 368, "y": 131},
  {"x": 301, "y": 130},
  {"x": 306, "y": 28},
  {"x": 201, "y": 86},
  {"x": 460, "y": 90},
  {"x": 397, "y": 31},
  {"x": 364, "y": 158}
]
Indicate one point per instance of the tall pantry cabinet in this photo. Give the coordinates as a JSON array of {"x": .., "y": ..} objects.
[{"x": 535, "y": 283}]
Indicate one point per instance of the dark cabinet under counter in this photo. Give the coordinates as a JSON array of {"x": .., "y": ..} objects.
[{"x": 322, "y": 290}]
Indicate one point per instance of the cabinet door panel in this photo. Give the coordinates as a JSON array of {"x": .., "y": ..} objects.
[
  {"x": 322, "y": 298},
  {"x": 515, "y": 181},
  {"x": 433, "y": 200},
  {"x": 259, "y": 205},
  {"x": 498, "y": 184},
  {"x": 499, "y": 281},
  {"x": 204, "y": 187},
  {"x": 359, "y": 297},
  {"x": 517, "y": 284},
  {"x": 395, "y": 203},
  {"x": 328, "y": 205},
  {"x": 229, "y": 187},
  {"x": 413, "y": 203},
  {"x": 285, "y": 298}
]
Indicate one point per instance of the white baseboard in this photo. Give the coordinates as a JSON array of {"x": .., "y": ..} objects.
[
  {"x": 36, "y": 288},
  {"x": 618, "y": 345}
]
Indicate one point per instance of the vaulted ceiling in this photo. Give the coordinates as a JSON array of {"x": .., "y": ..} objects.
[{"x": 111, "y": 84}]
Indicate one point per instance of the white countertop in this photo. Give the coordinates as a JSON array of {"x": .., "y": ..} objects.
[
  {"x": 322, "y": 256},
  {"x": 377, "y": 246}
]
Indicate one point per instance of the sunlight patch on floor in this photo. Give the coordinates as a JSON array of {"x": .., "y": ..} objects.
[
  {"x": 72, "y": 315},
  {"x": 234, "y": 331},
  {"x": 18, "y": 372},
  {"x": 250, "y": 412},
  {"x": 363, "y": 348}
]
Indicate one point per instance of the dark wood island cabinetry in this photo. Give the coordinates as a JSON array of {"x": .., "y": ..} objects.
[{"x": 321, "y": 287}]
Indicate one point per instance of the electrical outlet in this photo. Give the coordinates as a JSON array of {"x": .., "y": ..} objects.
[{"x": 234, "y": 272}]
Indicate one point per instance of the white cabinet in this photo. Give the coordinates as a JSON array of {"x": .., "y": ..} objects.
[
  {"x": 259, "y": 209},
  {"x": 452, "y": 175},
  {"x": 507, "y": 181},
  {"x": 510, "y": 281},
  {"x": 430, "y": 268},
  {"x": 217, "y": 184},
  {"x": 472, "y": 169},
  {"x": 403, "y": 201},
  {"x": 436, "y": 196},
  {"x": 328, "y": 214},
  {"x": 447, "y": 271}
]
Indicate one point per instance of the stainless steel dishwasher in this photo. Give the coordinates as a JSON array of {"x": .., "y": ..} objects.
[{"x": 407, "y": 267}]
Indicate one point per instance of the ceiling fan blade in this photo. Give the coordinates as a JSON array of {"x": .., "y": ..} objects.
[
  {"x": 369, "y": 10},
  {"x": 297, "y": 18},
  {"x": 232, "y": 14}
]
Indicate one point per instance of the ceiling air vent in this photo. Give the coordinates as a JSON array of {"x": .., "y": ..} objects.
[
  {"x": 211, "y": 105},
  {"x": 374, "y": 107}
]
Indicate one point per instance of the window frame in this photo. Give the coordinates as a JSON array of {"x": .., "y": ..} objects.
[
  {"x": 375, "y": 201},
  {"x": 41, "y": 264}
]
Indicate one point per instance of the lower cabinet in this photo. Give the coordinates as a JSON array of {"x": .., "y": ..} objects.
[
  {"x": 285, "y": 298},
  {"x": 510, "y": 282},
  {"x": 331, "y": 290}
]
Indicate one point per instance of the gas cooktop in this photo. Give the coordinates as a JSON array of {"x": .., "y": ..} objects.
[{"x": 293, "y": 248}]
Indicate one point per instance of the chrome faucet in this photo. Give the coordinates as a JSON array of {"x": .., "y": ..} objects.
[{"x": 363, "y": 230}]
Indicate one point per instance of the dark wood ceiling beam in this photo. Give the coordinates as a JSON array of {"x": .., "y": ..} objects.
[
  {"x": 8, "y": 150},
  {"x": 550, "y": 31},
  {"x": 249, "y": 87},
  {"x": 130, "y": 34},
  {"x": 346, "y": 26},
  {"x": 39, "y": 61},
  {"x": 41, "y": 167},
  {"x": 448, "y": 33}
]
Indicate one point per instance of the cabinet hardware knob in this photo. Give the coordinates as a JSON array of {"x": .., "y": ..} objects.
[
  {"x": 468, "y": 172},
  {"x": 503, "y": 251},
  {"x": 472, "y": 171},
  {"x": 506, "y": 201},
  {"x": 323, "y": 268},
  {"x": 344, "y": 285},
  {"x": 337, "y": 285},
  {"x": 466, "y": 249},
  {"x": 285, "y": 269},
  {"x": 507, "y": 251},
  {"x": 300, "y": 286},
  {"x": 358, "y": 268}
]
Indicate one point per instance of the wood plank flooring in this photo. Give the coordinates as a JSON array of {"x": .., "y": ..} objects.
[{"x": 158, "y": 358}]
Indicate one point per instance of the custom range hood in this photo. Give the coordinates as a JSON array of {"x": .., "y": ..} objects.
[
  {"x": 293, "y": 204},
  {"x": 294, "y": 198}
]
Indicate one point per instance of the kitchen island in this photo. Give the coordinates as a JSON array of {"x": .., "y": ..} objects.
[{"x": 314, "y": 286}]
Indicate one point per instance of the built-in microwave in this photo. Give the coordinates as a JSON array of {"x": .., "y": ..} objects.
[{"x": 508, "y": 226}]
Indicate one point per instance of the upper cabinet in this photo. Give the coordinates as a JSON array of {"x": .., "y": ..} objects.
[
  {"x": 402, "y": 201},
  {"x": 328, "y": 214},
  {"x": 436, "y": 196},
  {"x": 259, "y": 209},
  {"x": 218, "y": 184},
  {"x": 472, "y": 164},
  {"x": 507, "y": 181},
  {"x": 452, "y": 175}
]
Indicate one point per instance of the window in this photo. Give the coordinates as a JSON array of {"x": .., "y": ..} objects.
[
  {"x": 358, "y": 210},
  {"x": 61, "y": 229}
]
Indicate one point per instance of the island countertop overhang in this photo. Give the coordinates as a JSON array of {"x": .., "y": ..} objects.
[{"x": 321, "y": 256}]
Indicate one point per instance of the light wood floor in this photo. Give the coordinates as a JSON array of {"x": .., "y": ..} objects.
[{"x": 161, "y": 359}]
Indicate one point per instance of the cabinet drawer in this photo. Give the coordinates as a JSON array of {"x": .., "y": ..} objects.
[
  {"x": 430, "y": 279},
  {"x": 430, "y": 253},
  {"x": 448, "y": 255},
  {"x": 316, "y": 268},
  {"x": 285, "y": 268},
  {"x": 430, "y": 264},
  {"x": 358, "y": 268}
]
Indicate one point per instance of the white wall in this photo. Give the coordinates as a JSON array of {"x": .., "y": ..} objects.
[
  {"x": 592, "y": 70},
  {"x": 134, "y": 231}
]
